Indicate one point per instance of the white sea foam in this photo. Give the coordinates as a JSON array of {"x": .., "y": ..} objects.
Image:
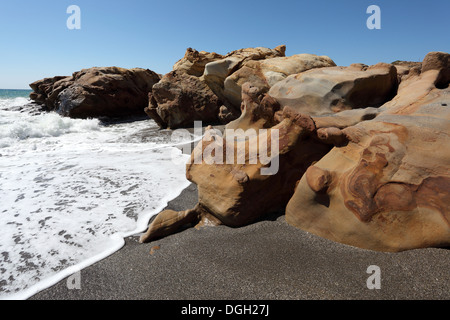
[{"x": 71, "y": 190}]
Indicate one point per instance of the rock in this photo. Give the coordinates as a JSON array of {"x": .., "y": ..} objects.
[
  {"x": 97, "y": 92},
  {"x": 193, "y": 62},
  {"x": 332, "y": 135},
  {"x": 179, "y": 99},
  {"x": 346, "y": 118},
  {"x": 154, "y": 249},
  {"x": 230, "y": 188},
  {"x": 374, "y": 176},
  {"x": 388, "y": 189},
  {"x": 318, "y": 179},
  {"x": 405, "y": 69},
  {"x": 266, "y": 73},
  {"x": 168, "y": 222},
  {"x": 227, "y": 115},
  {"x": 258, "y": 109},
  {"x": 438, "y": 61},
  {"x": 43, "y": 89},
  {"x": 189, "y": 92},
  {"x": 330, "y": 90},
  {"x": 216, "y": 72}
]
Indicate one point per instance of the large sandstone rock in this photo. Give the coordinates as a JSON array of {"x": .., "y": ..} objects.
[
  {"x": 266, "y": 73},
  {"x": 97, "y": 92},
  {"x": 438, "y": 61},
  {"x": 329, "y": 90},
  {"x": 388, "y": 188},
  {"x": 193, "y": 62},
  {"x": 191, "y": 92},
  {"x": 405, "y": 69},
  {"x": 216, "y": 72},
  {"x": 45, "y": 91},
  {"x": 371, "y": 177},
  {"x": 179, "y": 99},
  {"x": 258, "y": 110},
  {"x": 235, "y": 191}
]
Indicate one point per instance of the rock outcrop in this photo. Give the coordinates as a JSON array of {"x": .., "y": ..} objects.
[
  {"x": 45, "y": 91},
  {"x": 266, "y": 73},
  {"x": 194, "y": 89},
  {"x": 388, "y": 189},
  {"x": 194, "y": 62},
  {"x": 375, "y": 175},
  {"x": 97, "y": 92},
  {"x": 260, "y": 66},
  {"x": 233, "y": 190},
  {"x": 335, "y": 89},
  {"x": 216, "y": 72},
  {"x": 179, "y": 99}
]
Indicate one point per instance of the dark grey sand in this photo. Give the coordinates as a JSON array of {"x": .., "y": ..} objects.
[{"x": 266, "y": 260}]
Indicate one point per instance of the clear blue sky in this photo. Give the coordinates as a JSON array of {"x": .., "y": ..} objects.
[{"x": 154, "y": 34}]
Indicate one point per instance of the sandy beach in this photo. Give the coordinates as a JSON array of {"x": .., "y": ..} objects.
[{"x": 267, "y": 260}]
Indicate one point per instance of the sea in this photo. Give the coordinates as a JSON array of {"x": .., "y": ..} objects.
[{"x": 71, "y": 190}]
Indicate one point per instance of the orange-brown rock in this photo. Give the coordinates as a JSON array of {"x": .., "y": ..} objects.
[
  {"x": 179, "y": 99},
  {"x": 216, "y": 72},
  {"x": 438, "y": 61},
  {"x": 45, "y": 91},
  {"x": 97, "y": 92},
  {"x": 257, "y": 109},
  {"x": 388, "y": 189},
  {"x": 237, "y": 192},
  {"x": 335, "y": 89},
  {"x": 193, "y": 62},
  {"x": 372, "y": 177},
  {"x": 405, "y": 69},
  {"x": 267, "y": 72}
]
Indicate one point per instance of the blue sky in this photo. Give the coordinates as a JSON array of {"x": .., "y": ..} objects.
[{"x": 36, "y": 42}]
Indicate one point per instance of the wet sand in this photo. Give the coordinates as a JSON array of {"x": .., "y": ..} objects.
[{"x": 267, "y": 260}]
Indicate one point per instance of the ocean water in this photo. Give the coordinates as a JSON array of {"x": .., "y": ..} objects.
[{"x": 71, "y": 190}]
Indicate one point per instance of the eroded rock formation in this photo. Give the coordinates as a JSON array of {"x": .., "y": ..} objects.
[
  {"x": 217, "y": 72},
  {"x": 388, "y": 189},
  {"x": 267, "y": 72},
  {"x": 201, "y": 80},
  {"x": 335, "y": 89},
  {"x": 194, "y": 62},
  {"x": 230, "y": 191},
  {"x": 97, "y": 92},
  {"x": 179, "y": 99},
  {"x": 372, "y": 172}
]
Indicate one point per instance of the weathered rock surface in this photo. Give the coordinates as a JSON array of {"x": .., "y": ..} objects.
[
  {"x": 179, "y": 99},
  {"x": 46, "y": 91},
  {"x": 97, "y": 92},
  {"x": 375, "y": 175},
  {"x": 258, "y": 109},
  {"x": 329, "y": 90},
  {"x": 193, "y": 62},
  {"x": 388, "y": 189},
  {"x": 405, "y": 69},
  {"x": 266, "y": 73},
  {"x": 216, "y": 72},
  {"x": 438, "y": 61},
  {"x": 234, "y": 191},
  {"x": 195, "y": 89}
]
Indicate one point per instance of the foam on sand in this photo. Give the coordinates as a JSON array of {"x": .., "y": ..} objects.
[{"x": 71, "y": 190}]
